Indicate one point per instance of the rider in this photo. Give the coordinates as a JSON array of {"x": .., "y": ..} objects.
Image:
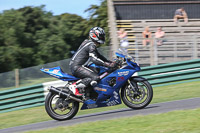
[{"x": 85, "y": 53}]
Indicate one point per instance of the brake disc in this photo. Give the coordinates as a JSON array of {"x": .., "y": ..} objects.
[
  {"x": 140, "y": 95},
  {"x": 137, "y": 96}
]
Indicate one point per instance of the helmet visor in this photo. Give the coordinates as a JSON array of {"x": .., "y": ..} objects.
[{"x": 102, "y": 37}]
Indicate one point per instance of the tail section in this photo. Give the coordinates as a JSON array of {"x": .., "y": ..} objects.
[{"x": 58, "y": 73}]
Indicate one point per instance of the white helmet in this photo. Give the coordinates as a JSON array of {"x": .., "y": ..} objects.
[{"x": 97, "y": 34}]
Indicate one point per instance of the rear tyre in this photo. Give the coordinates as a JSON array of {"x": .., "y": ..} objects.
[
  {"x": 140, "y": 99},
  {"x": 59, "y": 108}
]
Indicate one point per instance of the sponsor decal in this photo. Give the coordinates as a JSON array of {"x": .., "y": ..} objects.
[
  {"x": 99, "y": 89},
  {"x": 103, "y": 75},
  {"x": 114, "y": 102},
  {"x": 120, "y": 78},
  {"x": 46, "y": 70},
  {"x": 55, "y": 71},
  {"x": 115, "y": 95},
  {"x": 123, "y": 73},
  {"x": 55, "y": 75}
]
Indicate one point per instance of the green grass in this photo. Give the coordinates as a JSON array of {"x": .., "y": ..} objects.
[
  {"x": 161, "y": 94},
  {"x": 185, "y": 121}
]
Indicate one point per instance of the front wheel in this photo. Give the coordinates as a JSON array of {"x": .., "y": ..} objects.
[
  {"x": 137, "y": 99},
  {"x": 59, "y": 108}
]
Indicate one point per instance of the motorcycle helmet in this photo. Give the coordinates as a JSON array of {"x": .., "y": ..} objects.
[{"x": 97, "y": 35}]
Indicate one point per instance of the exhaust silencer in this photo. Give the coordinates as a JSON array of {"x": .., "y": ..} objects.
[{"x": 61, "y": 93}]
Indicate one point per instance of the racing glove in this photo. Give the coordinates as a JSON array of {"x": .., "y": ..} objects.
[{"x": 110, "y": 65}]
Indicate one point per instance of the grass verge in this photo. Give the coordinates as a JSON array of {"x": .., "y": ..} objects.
[
  {"x": 185, "y": 121},
  {"x": 161, "y": 94}
]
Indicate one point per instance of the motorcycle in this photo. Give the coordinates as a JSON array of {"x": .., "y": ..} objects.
[{"x": 115, "y": 84}]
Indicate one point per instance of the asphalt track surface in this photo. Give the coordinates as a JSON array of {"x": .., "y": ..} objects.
[{"x": 157, "y": 108}]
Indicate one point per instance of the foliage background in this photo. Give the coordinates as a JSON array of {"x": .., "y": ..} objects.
[{"x": 31, "y": 36}]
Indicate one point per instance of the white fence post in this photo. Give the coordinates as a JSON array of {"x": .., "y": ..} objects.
[
  {"x": 155, "y": 52},
  {"x": 113, "y": 27},
  {"x": 16, "y": 78}
]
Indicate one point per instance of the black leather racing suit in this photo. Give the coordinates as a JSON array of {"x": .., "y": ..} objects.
[{"x": 85, "y": 53}]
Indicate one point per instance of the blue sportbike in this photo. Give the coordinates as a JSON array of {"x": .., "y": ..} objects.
[{"x": 116, "y": 84}]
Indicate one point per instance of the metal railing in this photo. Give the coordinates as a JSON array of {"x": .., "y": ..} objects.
[
  {"x": 173, "y": 49},
  {"x": 172, "y": 73}
]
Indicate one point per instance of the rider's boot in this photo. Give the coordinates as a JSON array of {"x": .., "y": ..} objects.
[{"x": 75, "y": 88}]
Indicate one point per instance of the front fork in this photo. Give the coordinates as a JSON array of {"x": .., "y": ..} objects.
[{"x": 134, "y": 87}]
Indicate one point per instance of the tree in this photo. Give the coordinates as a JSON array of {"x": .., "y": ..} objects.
[
  {"x": 72, "y": 29},
  {"x": 32, "y": 36},
  {"x": 11, "y": 29}
]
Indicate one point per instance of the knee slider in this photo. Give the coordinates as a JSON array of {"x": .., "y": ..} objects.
[
  {"x": 94, "y": 80},
  {"x": 93, "y": 83}
]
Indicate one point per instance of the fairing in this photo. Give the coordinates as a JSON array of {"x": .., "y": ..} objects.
[
  {"x": 58, "y": 73},
  {"x": 108, "y": 94}
]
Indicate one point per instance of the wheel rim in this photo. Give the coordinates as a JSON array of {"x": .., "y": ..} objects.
[
  {"x": 137, "y": 99},
  {"x": 60, "y": 107}
]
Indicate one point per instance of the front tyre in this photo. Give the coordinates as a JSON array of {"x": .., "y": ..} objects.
[
  {"x": 137, "y": 99},
  {"x": 59, "y": 108}
]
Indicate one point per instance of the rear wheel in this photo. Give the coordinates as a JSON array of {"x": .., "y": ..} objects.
[
  {"x": 139, "y": 99},
  {"x": 59, "y": 108}
]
